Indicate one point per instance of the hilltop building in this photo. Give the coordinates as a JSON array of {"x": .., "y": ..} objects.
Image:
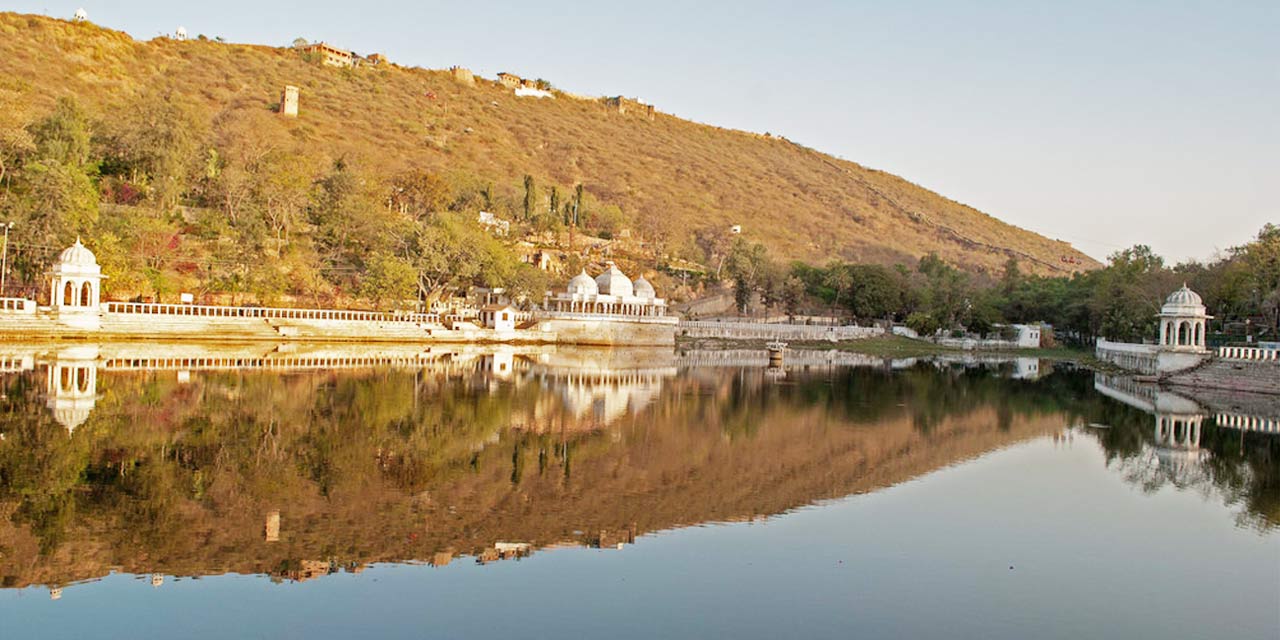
[
  {"x": 510, "y": 80},
  {"x": 331, "y": 55},
  {"x": 463, "y": 75}
]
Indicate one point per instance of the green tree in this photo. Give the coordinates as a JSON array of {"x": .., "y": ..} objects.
[
  {"x": 389, "y": 279},
  {"x": 530, "y": 197}
]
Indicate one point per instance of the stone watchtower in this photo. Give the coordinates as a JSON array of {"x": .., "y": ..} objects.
[
  {"x": 289, "y": 101},
  {"x": 76, "y": 291}
]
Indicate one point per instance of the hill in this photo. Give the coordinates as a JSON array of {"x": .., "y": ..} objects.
[{"x": 670, "y": 178}]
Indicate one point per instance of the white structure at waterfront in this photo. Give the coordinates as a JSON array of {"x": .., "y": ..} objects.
[
  {"x": 1183, "y": 322},
  {"x": 611, "y": 293},
  {"x": 610, "y": 310},
  {"x": 1180, "y": 343},
  {"x": 76, "y": 290}
]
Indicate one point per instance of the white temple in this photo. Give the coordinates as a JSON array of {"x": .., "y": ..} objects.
[{"x": 610, "y": 293}]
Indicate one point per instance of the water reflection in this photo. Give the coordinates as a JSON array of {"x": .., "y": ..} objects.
[
  {"x": 300, "y": 461},
  {"x": 1235, "y": 459}
]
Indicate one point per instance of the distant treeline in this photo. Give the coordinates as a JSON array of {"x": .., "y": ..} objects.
[{"x": 1241, "y": 288}]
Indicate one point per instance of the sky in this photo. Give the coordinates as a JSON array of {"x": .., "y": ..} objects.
[{"x": 1105, "y": 124}]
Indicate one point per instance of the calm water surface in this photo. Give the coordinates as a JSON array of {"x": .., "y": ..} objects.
[{"x": 311, "y": 491}]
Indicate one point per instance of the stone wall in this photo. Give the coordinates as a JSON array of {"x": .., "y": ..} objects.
[
  {"x": 1140, "y": 358},
  {"x": 365, "y": 327},
  {"x": 1231, "y": 375},
  {"x": 772, "y": 331},
  {"x": 590, "y": 331}
]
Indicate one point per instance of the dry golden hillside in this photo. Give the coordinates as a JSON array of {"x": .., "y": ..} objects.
[{"x": 670, "y": 177}]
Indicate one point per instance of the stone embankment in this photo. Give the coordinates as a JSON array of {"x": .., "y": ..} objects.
[
  {"x": 733, "y": 330},
  {"x": 1256, "y": 376}
]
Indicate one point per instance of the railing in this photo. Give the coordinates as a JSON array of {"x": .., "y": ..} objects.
[
  {"x": 1253, "y": 354},
  {"x": 543, "y": 314},
  {"x": 271, "y": 313},
  {"x": 17, "y": 305},
  {"x": 260, "y": 362},
  {"x": 1247, "y": 423}
]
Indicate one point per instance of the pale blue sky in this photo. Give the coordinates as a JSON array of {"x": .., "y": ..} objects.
[{"x": 1104, "y": 124}]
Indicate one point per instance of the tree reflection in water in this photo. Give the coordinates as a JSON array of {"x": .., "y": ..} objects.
[{"x": 300, "y": 473}]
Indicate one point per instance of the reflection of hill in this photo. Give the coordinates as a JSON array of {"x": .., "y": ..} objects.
[{"x": 377, "y": 465}]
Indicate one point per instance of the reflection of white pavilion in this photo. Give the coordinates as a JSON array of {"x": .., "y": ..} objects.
[
  {"x": 71, "y": 384},
  {"x": 1177, "y": 447},
  {"x": 604, "y": 399}
]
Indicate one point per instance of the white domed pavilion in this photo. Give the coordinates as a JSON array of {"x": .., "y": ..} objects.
[
  {"x": 583, "y": 285},
  {"x": 613, "y": 282},
  {"x": 610, "y": 293},
  {"x": 1183, "y": 321},
  {"x": 76, "y": 291},
  {"x": 644, "y": 290}
]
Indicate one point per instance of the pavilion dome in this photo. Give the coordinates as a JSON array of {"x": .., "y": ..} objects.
[
  {"x": 78, "y": 261},
  {"x": 1183, "y": 301},
  {"x": 644, "y": 290},
  {"x": 582, "y": 284},
  {"x": 613, "y": 282},
  {"x": 78, "y": 255}
]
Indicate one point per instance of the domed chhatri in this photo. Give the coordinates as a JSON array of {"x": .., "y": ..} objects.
[
  {"x": 79, "y": 256},
  {"x": 1183, "y": 321},
  {"x": 76, "y": 290},
  {"x": 613, "y": 282},
  {"x": 583, "y": 285},
  {"x": 644, "y": 290},
  {"x": 1183, "y": 299},
  {"x": 611, "y": 293}
]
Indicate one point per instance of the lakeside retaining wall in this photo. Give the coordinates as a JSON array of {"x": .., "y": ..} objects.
[
  {"x": 119, "y": 320},
  {"x": 772, "y": 331}
]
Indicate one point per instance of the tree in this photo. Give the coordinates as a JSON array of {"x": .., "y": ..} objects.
[
  {"x": 746, "y": 265},
  {"x": 418, "y": 193},
  {"x": 156, "y": 143},
  {"x": 577, "y": 203},
  {"x": 793, "y": 290},
  {"x": 554, "y": 207},
  {"x": 873, "y": 291},
  {"x": 389, "y": 279},
  {"x": 450, "y": 252},
  {"x": 15, "y": 139},
  {"x": 922, "y": 323},
  {"x": 530, "y": 197}
]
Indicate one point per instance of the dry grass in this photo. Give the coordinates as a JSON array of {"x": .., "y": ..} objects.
[{"x": 669, "y": 176}]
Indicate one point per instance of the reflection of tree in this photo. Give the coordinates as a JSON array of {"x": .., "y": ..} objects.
[
  {"x": 1240, "y": 467},
  {"x": 41, "y": 467},
  {"x": 393, "y": 465}
]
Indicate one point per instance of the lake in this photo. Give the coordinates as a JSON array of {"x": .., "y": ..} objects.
[{"x": 332, "y": 491}]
